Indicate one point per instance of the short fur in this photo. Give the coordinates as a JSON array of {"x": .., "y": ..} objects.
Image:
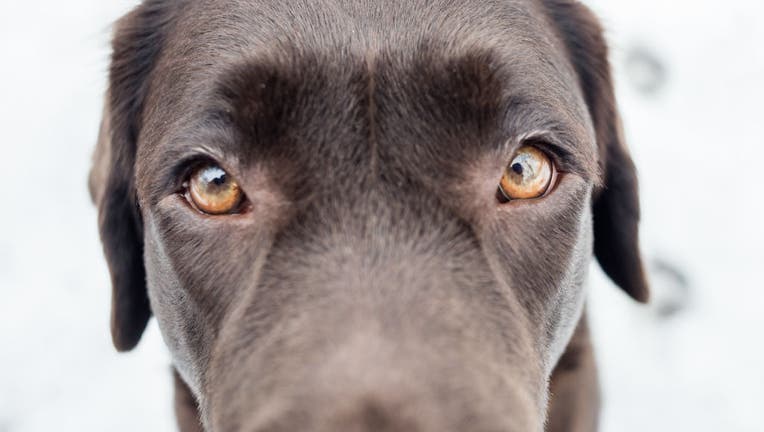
[{"x": 376, "y": 283}]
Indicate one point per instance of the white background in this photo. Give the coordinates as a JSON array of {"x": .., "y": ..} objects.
[{"x": 689, "y": 80}]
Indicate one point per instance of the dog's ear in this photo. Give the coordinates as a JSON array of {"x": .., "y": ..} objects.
[
  {"x": 616, "y": 203},
  {"x": 137, "y": 42}
]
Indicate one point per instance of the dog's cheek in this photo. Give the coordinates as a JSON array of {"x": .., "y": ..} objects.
[
  {"x": 179, "y": 315},
  {"x": 566, "y": 310},
  {"x": 195, "y": 271},
  {"x": 180, "y": 319},
  {"x": 540, "y": 252}
]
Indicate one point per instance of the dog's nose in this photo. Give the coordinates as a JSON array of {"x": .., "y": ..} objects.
[
  {"x": 371, "y": 414},
  {"x": 373, "y": 405},
  {"x": 366, "y": 385},
  {"x": 367, "y": 382},
  {"x": 374, "y": 415},
  {"x": 368, "y": 414}
]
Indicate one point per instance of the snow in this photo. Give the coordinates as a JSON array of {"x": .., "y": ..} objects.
[{"x": 689, "y": 80}]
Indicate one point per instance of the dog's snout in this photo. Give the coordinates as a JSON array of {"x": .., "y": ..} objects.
[
  {"x": 350, "y": 331},
  {"x": 375, "y": 412},
  {"x": 365, "y": 386},
  {"x": 371, "y": 415},
  {"x": 367, "y": 413}
]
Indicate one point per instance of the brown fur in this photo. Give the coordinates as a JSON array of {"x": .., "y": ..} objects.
[{"x": 376, "y": 284}]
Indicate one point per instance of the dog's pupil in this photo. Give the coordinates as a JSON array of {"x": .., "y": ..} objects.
[
  {"x": 220, "y": 180},
  {"x": 517, "y": 168},
  {"x": 214, "y": 176}
]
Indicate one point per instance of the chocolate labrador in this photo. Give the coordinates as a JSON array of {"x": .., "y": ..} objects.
[{"x": 366, "y": 215}]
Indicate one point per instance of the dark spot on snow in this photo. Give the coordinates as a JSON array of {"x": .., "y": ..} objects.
[
  {"x": 645, "y": 70},
  {"x": 671, "y": 293}
]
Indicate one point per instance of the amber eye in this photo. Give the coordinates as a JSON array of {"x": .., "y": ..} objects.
[
  {"x": 528, "y": 175},
  {"x": 214, "y": 191}
]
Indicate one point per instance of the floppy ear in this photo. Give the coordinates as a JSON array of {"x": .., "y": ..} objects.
[
  {"x": 136, "y": 44},
  {"x": 616, "y": 204}
]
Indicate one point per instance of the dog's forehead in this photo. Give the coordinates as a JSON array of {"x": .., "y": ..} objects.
[
  {"x": 401, "y": 65},
  {"x": 349, "y": 23},
  {"x": 518, "y": 32}
]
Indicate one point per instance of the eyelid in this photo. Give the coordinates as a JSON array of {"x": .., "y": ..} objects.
[
  {"x": 558, "y": 150},
  {"x": 177, "y": 177},
  {"x": 558, "y": 155},
  {"x": 183, "y": 152}
]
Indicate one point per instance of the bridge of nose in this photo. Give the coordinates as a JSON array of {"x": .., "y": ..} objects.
[{"x": 375, "y": 305}]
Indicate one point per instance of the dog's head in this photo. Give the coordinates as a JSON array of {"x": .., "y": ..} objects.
[{"x": 359, "y": 215}]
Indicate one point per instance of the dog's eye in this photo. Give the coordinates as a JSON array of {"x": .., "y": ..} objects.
[
  {"x": 213, "y": 191},
  {"x": 528, "y": 175}
]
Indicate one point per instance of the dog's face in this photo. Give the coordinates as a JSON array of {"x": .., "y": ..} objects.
[{"x": 362, "y": 215}]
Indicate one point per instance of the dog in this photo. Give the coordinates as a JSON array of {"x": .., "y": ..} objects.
[{"x": 366, "y": 215}]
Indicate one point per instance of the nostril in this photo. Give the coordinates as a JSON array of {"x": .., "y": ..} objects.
[
  {"x": 371, "y": 415},
  {"x": 376, "y": 418},
  {"x": 360, "y": 415}
]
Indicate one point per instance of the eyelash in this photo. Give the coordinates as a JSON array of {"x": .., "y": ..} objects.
[
  {"x": 560, "y": 157},
  {"x": 181, "y": 173}
]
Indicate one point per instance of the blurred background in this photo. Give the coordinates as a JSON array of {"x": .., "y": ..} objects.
[{"x": 689, "y": 77}]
